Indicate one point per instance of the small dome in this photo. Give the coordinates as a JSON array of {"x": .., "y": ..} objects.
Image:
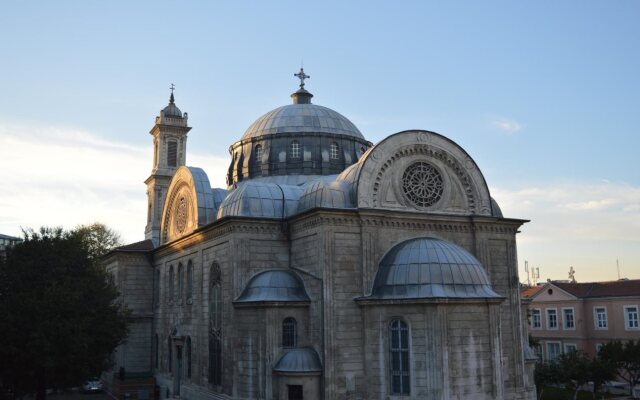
[
  {"x": 274, "y": 285},
  {"x": 302, "y": 118},
  {"x": 303, "y": 360},
  {"x": 171, "y": 110},
  {"x": 430, "y": 268},
  {"x": 261, "y": 199}
]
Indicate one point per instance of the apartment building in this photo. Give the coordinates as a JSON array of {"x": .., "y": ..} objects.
[{"x": 565, "y": 316}]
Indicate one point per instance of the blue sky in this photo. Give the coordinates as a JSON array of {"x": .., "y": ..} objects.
[{"x": 544, "y": 96}]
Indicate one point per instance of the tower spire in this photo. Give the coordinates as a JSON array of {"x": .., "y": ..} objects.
[{"x": 171, "y": 98}]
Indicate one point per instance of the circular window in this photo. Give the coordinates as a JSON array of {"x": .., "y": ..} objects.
[
  {"x": 181, "y": 215},
  {"x": 422, "y": 184}
]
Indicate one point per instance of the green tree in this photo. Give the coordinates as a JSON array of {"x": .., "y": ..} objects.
[
  {"x": 545, "y": 374},
  {"x": 626, "y": 358},
  {"x": 99, "y": 238},
  {"x": 60, "y": 314},
  {"x": 574, "y": 370},
  {"x": 600, "y": 371}
]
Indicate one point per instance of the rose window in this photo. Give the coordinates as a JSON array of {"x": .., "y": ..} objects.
[
  {"x": 181, "y": 215},
  {"x": 422, "y": 184}
]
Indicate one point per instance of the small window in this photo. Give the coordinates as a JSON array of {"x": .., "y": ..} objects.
[
  {"x": 294, "y": 392},
  {"x": 289, "y": 334},
  {"x": 295, "y": 149},
  {"x": 600, "y": 318},
  {"x": 333, "y": 150},
  {"x": 258, "y": 153},
  {"x": 172, "y": 153},
  {"x": 570, "y": 348},
  {"x": 399, "y": 347},
  {"x": 536, "y": 322},
  {"x": 631, "y": 317},
  {"x": 568, "y": 318},
  {"x": 552, "y": 319}
]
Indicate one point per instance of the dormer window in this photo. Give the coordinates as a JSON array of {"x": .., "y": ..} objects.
[
  {"x": 333, "y": 150},
  {"x": 295, "y": 149}
]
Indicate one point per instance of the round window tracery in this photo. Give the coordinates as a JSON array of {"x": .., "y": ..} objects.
[
  {"x": 422, "y": 184},
  {"x": 181, "y": 214}
]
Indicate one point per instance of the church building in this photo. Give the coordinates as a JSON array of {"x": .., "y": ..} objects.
[{"x": 328, "y": 268}]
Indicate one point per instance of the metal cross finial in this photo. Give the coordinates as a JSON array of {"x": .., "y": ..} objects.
[
  {"x": 172, "y": 88},
  {"x": 302, "y": 76}
]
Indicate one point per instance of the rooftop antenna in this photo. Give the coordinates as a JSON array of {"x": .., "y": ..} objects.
[
  {"x": 536, "y": 275},
  {"x": 618, "y": 267},
  {"x": 526, "y": 269}
]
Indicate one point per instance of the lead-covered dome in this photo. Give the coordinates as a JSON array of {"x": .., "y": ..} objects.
[
  {"x": 302, "y": 118},
  {"x": 426, "y": 267},
  {"x": 301, "y": 139}
]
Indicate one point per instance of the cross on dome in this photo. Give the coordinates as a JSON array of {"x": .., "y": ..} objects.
[
  {"x": 302, "y": 76},
  {"x": 172, "y": 87}
]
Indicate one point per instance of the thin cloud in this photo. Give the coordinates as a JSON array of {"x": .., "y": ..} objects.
[
  {"x": 57, "y": 176},
  {"x": 508, "y": 126}
]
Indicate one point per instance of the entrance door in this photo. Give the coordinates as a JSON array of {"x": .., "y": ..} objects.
[{"x": 295, "y": 392}]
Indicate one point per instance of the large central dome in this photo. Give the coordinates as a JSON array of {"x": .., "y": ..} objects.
[
  {"x": 302, "y": 118},
  {"x": 299, "y": 140}
]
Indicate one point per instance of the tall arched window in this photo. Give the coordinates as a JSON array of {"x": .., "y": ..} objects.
[
  {"x": 156, "y": 287},
  {"x": 295, "y": 149},
  {"x": 172, "y": 153},
  {"x": 171, "y": 279},
  {"x": 215, "y": 325},
  {"x": 180, "y": 282},
  {"x": 333, "y": 150},
  {"x": 188, "y": 351},
  {"x": 169, "y": 358},
  {"x": 258, "y": 154},
  {"x": 399, "y": 357},
  {"x": 289, "y": 332},
  {"x": 189, "y": 281}
]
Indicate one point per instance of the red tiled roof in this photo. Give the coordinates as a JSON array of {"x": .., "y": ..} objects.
[
  {"x": 602, "y": 289},
  {"x": 145, "y": 245},
  {"x": 530, "y": 291}
]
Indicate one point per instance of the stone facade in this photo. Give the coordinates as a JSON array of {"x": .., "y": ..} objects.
[{"x": 276, "y": 296}]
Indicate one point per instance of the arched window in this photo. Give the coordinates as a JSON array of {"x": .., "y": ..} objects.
[
  {"x": 333, "y": 150},
  {"x": 189, "y": 281},
  {"x": 172, "y": 153},
  {"x": 215, "y": 325},
  {"x": 289, "y": 332},
  {"x": 155, "y": 351},
  {"x": 188, "y": 351},
  {"x": 399, "y": 357},
  {"x": 295, "y": 149},
  {"x": 180, "y": 282},
  {"x": 169, "y": 359},
  {"x": 258, "y": 153},
  {"x": 171, "y": 278}
]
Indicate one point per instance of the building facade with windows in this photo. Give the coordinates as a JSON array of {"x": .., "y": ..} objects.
[
  {"x": 328, "y": 268},
  {"x": 565, "y": 316}
]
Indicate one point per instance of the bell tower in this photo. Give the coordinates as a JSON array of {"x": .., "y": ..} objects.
[{"x": 169, "y": 152}]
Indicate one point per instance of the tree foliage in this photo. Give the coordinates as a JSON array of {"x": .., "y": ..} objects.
[
  {"x": 98, "y": 238},
  {"x": 625, "y": 356},
  {"x": 60, "y": 315}
]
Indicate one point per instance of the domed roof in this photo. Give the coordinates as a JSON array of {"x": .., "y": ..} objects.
[
  {"x": 302, "y": 118},
  {"x": 274, "y": 285},
  {"x": 303, "y": 360},
  {"x": 430, "y": 268},
  {"x": 171, "y": 110}
]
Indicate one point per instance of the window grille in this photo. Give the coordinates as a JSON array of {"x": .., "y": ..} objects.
[
  {"x": 258, "y": 153},
  {"x": 295, "y": 149},
  {"x": 399, "y": 357},
  {"x": 333, "y": 150},
  {"x": 289, "y": 334}
]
